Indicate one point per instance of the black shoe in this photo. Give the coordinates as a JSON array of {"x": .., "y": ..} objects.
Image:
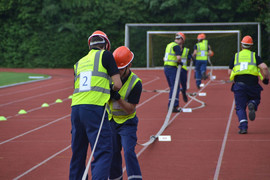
[
  {"x": 198, "y": 86},
  {"x": 204, "y": 76},
  {"x": 176, "y": 109},
  {"x": 251, "y": 109},
  {"x": 185, "y": 98},
  {"x": 242, "y": 131}
]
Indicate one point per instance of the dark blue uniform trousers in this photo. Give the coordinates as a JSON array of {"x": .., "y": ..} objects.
[
  {"x": 170, "y": 73},
  {"x": 243, "y": 95},
  {"x": 85, "y": 120},
  {"x": 183, "y": 80},
  {"x": 200, "y": 68},
  {"x": 124, "y": 135}
]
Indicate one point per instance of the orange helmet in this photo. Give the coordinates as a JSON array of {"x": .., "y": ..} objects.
[
  {"x": 201, "y": 36},
  {"x": 103, "y": 36},
  {"x": 212, "y": 53},
  {"x": 123, "y": 57},
  {"x": 180, "y": 35},
  {"x": 247, "y": 40}
]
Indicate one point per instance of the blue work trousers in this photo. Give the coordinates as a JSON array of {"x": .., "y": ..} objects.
[
  {"x": 243, "y": 95},
  {"x": 86, "y": 120},
  {"x": 183, "y": 80},
  {"x": 200, "y": 68},
  {"x": 124, "y": 136},
  {"x": 170, "y": 73}
]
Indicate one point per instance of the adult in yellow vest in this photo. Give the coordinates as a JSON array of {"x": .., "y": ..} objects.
[
  {"x": 91, "y": 92},
  {"x": 185, "y": 57},
  {"x": 244, "y": 70},
  {"x": 171, "y": 60},
  {"x": 123, "y": 118},
  {"x": 201, "y": 52}
]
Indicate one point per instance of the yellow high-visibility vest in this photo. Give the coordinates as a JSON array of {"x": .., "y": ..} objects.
[
  {"x": 202, "y": 50},
  {"x": 91, "y": 82},
  {"x": 114, "y": 110},
  {"x": 170, "y": 58},
  {"x": 184, "y": 57},
  {"x": 245, "y": 63}
]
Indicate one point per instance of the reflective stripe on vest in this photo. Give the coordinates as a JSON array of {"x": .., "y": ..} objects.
[
  {"x": 170, "y": 58},
  {"x": 245, "y": 63},
  {"x": 115, "y": 110},
  {"x": 202, "y": 50},
  {"x": 184, "y": 58},
  {"x": 99, "y": 88}
]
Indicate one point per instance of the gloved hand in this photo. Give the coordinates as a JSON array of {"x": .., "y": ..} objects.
[
  {"x": 265, "y": 81},
  {"x": 180, "y": 63},
  {"x": 114, "y": 94}
]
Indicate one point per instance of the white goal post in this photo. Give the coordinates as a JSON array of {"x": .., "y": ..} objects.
[
  {"x": 136, "y": 34},
  {"x": 149, "y": 33}
]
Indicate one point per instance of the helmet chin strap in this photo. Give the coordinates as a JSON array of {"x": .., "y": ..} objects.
[{"x": 124, "y": 74}]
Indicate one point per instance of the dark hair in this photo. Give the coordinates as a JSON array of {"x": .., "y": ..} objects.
[{"x": 98, "y": 42}]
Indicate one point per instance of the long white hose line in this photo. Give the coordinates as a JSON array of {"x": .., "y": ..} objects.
[
  {"x": 165, "y": 124},
  {"x": 211, "y": 71},
  {"x": 189, "y": 74},
  {"x": 93, "y": 150}
]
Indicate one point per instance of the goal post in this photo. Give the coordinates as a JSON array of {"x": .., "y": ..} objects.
[
  {"x": 136, "y": 35},
  {"x": 155, "y": 50}
]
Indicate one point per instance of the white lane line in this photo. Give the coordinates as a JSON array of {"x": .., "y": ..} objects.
[
  {"x": 224, "y": 143},
  {"x": 28, "y": 171},
  {"x": 27, "y": 89},
  {"x": 43, "y": 162},
  {"x": 31, "y": 97},
  {"x": 40, "y": 127},
  {"x": 157, "y": 78},
  {"x": 177, "y": 114},
  {"x": 36, "y": 108}
]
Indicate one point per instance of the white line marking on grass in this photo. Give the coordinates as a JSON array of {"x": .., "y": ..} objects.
[
  {"x": 27, "y": 82},
  {"x": 224, "y": 143},
  {"x": 43, "y": 162},
  {"x": 40, "y": 127}
]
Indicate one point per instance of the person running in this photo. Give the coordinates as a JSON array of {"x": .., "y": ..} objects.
[
  {"x": 123, "y": 118},
  {"x": 92, "y": 74},
  {"x": 172, "y": 59},
  {"x": 244, "y": 70},
  {"x": 201, "y": 52}
]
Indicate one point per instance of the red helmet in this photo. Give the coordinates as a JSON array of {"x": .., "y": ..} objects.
[
  {"x": 201, "y": 36},
  {"x": 123, "y": 57},
  {"x": 103, "y": 36},
  {"x": 247, "y": 40},
  {"x": 180, "y": 35}
]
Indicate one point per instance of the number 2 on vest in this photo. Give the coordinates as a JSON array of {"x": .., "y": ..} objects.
[{"x": 85, "y": 81}]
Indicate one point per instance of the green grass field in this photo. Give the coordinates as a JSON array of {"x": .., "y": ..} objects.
[{"x": 10, "y": 78}]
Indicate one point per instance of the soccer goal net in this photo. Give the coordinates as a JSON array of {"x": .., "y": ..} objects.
[
  {"x": 148, "y": 41},
  {"x": 157, "y": 40}
]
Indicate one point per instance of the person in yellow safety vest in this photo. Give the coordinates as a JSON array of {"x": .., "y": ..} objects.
[
  {"x": 244, "y": 70},
  {"x": 172, "y": 59},
  {"x": 201, "y": 52},
  {"x": 123, "y": 118},
  {"x": 92, "y": 76},
  {"x": 185, "y": 57}
]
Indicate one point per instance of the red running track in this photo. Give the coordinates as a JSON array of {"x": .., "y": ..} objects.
[{"x": 205, "y": 143}]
